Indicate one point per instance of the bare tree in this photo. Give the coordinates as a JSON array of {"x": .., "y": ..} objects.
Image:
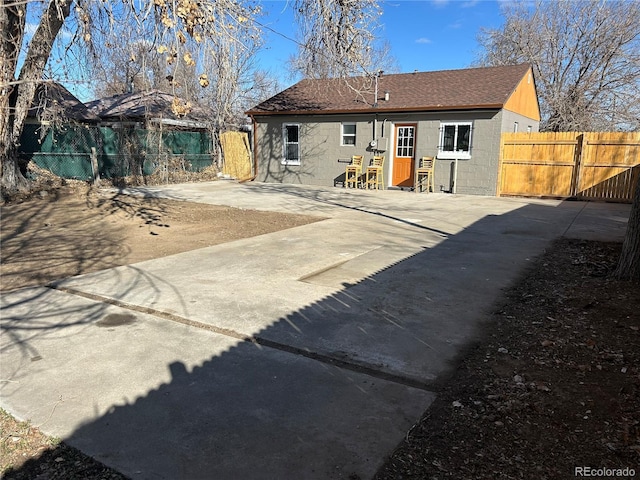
[
  {"x": 629, "y": 263},
  {"x": 230, "y": 67},
  {"x": 129, "y": 65},
  {"x": 337, "y": 38},
  {"x": 17, "y": 91},
  {"x": 187, "y": 30},
  {"x": 214, "y": 38},
  {"x": 586, "y": 57}
]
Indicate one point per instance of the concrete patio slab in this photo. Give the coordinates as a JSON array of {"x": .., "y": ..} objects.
[
  {"x": 157, "y": 399},
  {"x": 327, "y": 335}
]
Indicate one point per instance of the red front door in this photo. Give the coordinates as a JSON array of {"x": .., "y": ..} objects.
[{"x": 403, "y": 155}]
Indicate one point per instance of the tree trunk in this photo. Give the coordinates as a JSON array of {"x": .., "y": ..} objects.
[
  {"x": 629, "y": 263},
  {"x": 12, "y": 23},
  {"x": 16, "y": 95}
]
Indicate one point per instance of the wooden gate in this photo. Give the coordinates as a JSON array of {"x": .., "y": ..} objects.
[
  {"x": 590, "y": 165},
  {"x": 237, "y": 154}
]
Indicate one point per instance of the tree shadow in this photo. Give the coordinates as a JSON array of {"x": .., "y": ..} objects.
[
  {"x": 41, "y": 242},
  {"x": 357, "y": 201},
  {"x": 309, "y": 374},
  {"x": 615, "y": 186},
  {"x": 313, "y": 156}
]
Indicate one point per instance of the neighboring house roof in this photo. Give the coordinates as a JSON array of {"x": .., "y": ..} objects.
[
  {"x": 143, "y": 106},
  {"x": 472, "y": 88},
  {"x": 52, "y": 101}
]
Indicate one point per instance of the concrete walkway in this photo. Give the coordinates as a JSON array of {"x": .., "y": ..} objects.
[{"x": 306, "y": 353}]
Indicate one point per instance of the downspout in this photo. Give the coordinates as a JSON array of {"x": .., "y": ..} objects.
[
  {"x": 255, "y": 150},
  {"x": 454, "y": 176},
  {"x": 375, "y": 127}
]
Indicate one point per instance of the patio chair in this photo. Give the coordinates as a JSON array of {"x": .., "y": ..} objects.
[
  {"x": 353, "y": 172},
  {"x": 424, "y": 175},
  {"x": 374, "y": 177}
]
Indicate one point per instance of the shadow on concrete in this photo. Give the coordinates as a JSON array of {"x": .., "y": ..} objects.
[
  {"x": 326, "y": 391},
  {"x": 336, "y": 198},
  {"x": 29, "y": 233}
]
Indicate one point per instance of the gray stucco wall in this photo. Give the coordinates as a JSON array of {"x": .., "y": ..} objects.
[
  {"x": 477, "y": 175},
  {"x": 323, "y": 158},
  {"x": 510, "y": 118}
]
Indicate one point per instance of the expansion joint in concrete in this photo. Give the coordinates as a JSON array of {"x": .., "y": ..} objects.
[{"x": 257, "y": 340}]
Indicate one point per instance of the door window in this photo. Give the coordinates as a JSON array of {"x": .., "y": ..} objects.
[{"x": 405, "y": 141}]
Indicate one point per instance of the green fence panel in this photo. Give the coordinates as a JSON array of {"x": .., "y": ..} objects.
[
  {"x": 64, "y": 152},
  {"x": 120, "y": 151},
  {"x": 64, "y": 165},
  {"x": 31, "y": 139}
]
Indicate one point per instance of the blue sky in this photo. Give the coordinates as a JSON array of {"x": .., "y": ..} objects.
[{"x": 423, "y": 34}]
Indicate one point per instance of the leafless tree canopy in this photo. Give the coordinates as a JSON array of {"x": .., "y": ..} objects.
[
  {"x": 586, "y": 56},
  {"x": 337, "y": 38},
  {"x": 189, "y": 46},
  {"x": 215, "y": 71}
]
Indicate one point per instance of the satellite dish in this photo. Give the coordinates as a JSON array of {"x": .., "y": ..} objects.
[{"x": 373, "y": 143}]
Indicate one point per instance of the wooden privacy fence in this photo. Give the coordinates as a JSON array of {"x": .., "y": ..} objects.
[
  {"x": 589, "y": 165},
  {"x": 237, "y": 154}
]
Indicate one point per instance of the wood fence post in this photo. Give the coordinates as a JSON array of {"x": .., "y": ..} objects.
[
  {"x": 500, "y": 160},
  {"x": 577, "y": 166}
]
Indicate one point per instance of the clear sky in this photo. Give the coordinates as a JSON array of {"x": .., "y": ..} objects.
[{"x": 423, "y": 34}]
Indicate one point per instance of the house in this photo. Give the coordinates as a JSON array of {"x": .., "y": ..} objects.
[
  {"x": 150, "y": 109},
  {"x": 150, "y": 126},
  {"x": 54, "y": 103},
  {"x": 134, "y": 133},
  {"x": 58, "y": 125},
  {"x": 308, "y": 132}
]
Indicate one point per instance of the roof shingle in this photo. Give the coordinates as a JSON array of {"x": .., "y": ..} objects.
[
  {"x": 471, "y": 88},
  {"x": 52, "y": 100},
  {"x": 140, "y": 105}
]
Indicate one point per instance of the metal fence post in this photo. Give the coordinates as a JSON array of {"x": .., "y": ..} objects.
[{"x": 95, "y": 173}]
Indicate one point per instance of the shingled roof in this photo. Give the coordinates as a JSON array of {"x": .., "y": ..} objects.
[
  {"x": 138, "y": 106},
  {"x": 53, "y": 101},
  {"x": 471, "y": 88}
]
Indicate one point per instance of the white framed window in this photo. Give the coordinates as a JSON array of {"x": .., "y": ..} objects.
[
  {"x": 348, "y": 134},
  {"x": 405, "y": 140},
  {"x": 515, "y": 127},
  {"x": 290, "y": 144},
  {"x": 455, "y": 140}
]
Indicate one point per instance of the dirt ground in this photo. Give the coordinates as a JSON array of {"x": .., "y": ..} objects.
[
  {"x": 554, "y": 384},
  {"x": 76, "y": 230}
]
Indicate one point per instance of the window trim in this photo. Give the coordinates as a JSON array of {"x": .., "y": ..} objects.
[
  {"x": 285, "y": 143},
  {"x": 343, "y": 135},
  {"x": 457, "y": 154}
]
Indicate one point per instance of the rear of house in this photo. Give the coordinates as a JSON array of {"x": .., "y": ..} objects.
[{"x": 308, "y": 133}]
